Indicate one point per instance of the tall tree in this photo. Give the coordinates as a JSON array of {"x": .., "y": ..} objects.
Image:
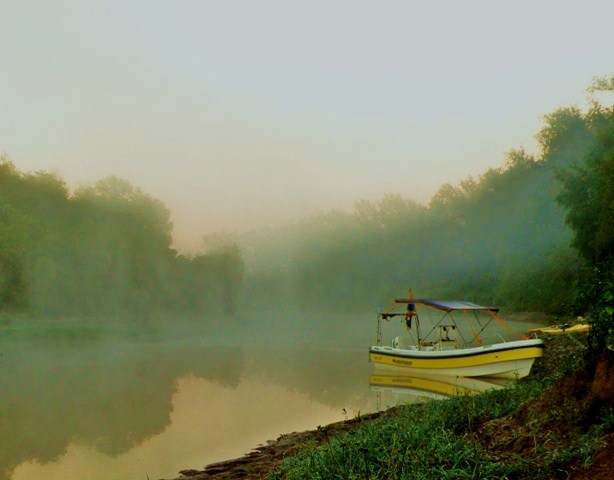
[{"x": 588, "y": 195}]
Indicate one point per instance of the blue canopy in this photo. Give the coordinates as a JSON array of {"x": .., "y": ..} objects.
[{"x": 446, "y": 305}]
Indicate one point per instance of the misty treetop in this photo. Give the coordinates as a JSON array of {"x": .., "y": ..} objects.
[
  {"x": 588, "y": 192},
  {"x": 104, "y": 251},
  {"x": 588, "y": 196},
  {"x": 501, "y": 239}
]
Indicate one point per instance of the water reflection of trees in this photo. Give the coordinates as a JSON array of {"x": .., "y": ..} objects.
[
  {"x": 115, "y": 396},
  {"x": 112, "y": 397}
]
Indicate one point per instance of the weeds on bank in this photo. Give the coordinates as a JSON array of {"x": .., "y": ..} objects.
[{"x": 430, "y": 440}]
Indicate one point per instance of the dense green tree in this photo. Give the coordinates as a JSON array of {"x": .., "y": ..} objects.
[
  {"x": 104, "y": 251},
  {"x": 588, "y": 192},
  {"x": 588, "y": 195}
]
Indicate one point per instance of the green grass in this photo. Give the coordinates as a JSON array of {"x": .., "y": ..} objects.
[{"x": 423, "y": 441}]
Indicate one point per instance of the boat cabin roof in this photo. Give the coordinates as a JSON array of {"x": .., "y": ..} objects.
[{"x": 446, "y": 305}]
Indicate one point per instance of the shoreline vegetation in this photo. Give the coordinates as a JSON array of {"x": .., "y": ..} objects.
[{"x": 556, "y": 423}]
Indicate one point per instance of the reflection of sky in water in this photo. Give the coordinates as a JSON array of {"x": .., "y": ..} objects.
[{"x": 198, "y": 434}]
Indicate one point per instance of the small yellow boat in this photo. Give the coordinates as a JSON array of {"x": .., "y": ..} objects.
[
  {"x": 440, "y": 351},
  {"x": 562, "y": 329}
]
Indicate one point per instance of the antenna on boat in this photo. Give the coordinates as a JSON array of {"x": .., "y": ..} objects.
[{"x": 378, "y": 331}]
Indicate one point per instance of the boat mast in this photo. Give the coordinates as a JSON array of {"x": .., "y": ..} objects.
[
  {"x": 412, "y": 313},
  {"x": 418, "y": 330}
]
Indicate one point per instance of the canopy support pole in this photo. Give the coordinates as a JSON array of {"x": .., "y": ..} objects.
[{"x": 502, "y": 323}]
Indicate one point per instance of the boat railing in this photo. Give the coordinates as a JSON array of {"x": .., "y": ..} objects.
[{"x": 494, "y": 335}]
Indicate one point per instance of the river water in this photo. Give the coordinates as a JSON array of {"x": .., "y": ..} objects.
[{"x": 110, "y": 407}]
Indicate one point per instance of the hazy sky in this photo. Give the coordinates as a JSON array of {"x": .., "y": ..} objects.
[{"x": 237, "y": 114}]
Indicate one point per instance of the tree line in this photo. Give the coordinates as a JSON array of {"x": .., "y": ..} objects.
[
  {"x": 103, "y": 251},
  {"x": 535, "y": 234}
]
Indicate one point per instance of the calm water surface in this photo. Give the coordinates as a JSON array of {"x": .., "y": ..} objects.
[
  {"x": 132, "y": 410},
  {"x": 104, "y": 408}
]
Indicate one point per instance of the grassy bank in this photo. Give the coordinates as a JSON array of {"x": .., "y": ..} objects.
[{"x": 550, "y": 425}]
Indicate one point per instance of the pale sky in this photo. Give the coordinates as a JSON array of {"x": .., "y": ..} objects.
[{"x": 238, "y": 114}]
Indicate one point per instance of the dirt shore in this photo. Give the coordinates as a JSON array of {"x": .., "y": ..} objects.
[{"x": 265, "y": 459}]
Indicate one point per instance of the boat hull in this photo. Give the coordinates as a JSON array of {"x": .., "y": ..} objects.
[{"x": 502, "y": 360}]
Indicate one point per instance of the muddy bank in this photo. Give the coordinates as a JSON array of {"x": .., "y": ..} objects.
[{"x": 265, "y": 459}]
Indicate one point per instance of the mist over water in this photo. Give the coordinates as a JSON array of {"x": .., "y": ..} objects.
[{"x": 99, "y": 404}]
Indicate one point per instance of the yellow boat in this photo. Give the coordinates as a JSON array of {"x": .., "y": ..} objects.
[
  {"x": 444, "y": 350},
  {"x": 562, "y": 329}
]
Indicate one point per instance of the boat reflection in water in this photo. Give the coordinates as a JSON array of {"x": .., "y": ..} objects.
[{"x": 393, "y": 388}]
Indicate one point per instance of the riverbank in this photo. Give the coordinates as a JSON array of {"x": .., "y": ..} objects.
[{"x": 558, "y": 422}]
